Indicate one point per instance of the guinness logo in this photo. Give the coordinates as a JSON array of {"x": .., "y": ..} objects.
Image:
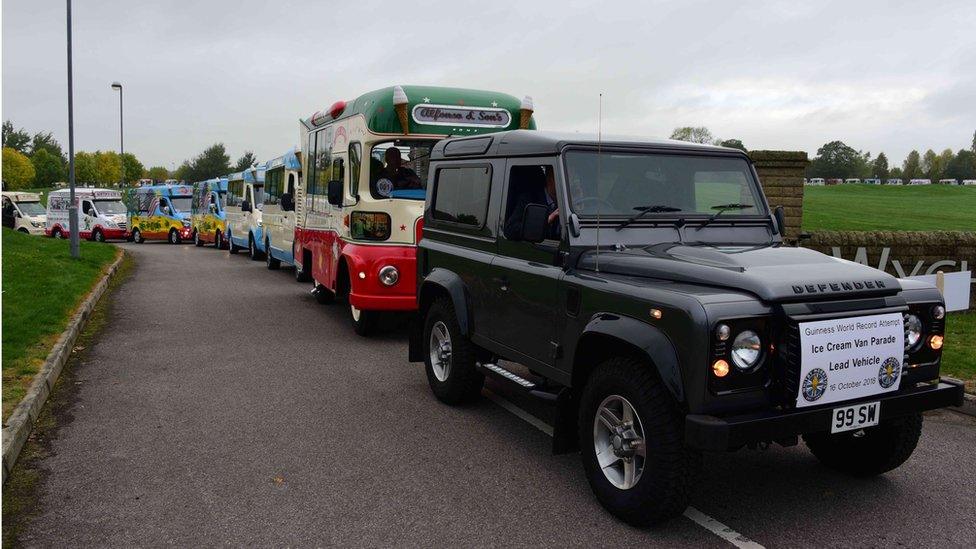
[{"x": 828, "y": 287}]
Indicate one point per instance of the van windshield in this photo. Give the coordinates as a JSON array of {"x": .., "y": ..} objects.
[
  {"x": 31, "y": 209},
  {"x": 181, "y": 203},
  {"x": 110, "y": 207},
  {"x": 398, "y": 169},
  {"x": 620, "y": 184}
]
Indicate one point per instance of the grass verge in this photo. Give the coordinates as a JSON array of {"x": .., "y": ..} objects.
[
  {"x": 20, "y": 494},
  {"x": 42, "y": 287},
  {"x": 959, "y": 354},
  {"x": 894, "y": 208}
]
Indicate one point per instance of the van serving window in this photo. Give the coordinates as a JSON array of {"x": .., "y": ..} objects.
[{"x": 461, "y": 195}]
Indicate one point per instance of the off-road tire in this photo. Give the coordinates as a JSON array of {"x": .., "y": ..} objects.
[
  {"x": 270, "y": 260},
  {"x": 196, "y": 239},
  {"x": 464, "y": 381},
  {"x": 670, "y": 468},
  {"x": 137, "y": 236},
  {"x": 174, "y": 237},
  {"x": 879, "y": 450}
]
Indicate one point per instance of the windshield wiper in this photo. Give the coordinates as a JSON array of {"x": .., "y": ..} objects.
[
  {"x": 722, "y": 208},
  {"x": 658, "y": 208}
]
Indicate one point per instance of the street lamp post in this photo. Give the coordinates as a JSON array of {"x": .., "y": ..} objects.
[
  {"x": 73, "y": 206},
  {"x": 118, "y": 86}
]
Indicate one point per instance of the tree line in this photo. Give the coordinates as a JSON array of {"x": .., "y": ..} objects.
[
  {"x": 838, "y": 160},
  {"x": 38, "y": 161}
]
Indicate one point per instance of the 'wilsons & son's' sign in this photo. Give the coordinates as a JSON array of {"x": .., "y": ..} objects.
[{"x": 445, "y": 115}]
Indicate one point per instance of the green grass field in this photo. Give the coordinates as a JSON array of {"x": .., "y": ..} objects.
[
  {"x": 884, "y": 208},
  {"x": 42, "y": 286},
  {"x": 959, "y": 354}
]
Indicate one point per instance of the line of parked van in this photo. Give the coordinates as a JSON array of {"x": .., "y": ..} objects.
[{"x": 889, "y": 181}]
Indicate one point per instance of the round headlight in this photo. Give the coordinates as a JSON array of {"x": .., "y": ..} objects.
[
  {"x": 913, "y": 331},
  {"x": 746, "y": 349},
  {"x": 938, "y": 312},
  {"x": 389, "y": 275}
]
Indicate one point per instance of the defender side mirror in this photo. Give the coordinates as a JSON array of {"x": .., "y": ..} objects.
[
  {"x": 335, "y": 192},
  {"x": 534, "y": 223},
  {"x": 780, "y": 216}
]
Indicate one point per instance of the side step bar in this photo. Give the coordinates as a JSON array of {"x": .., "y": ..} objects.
[{"x": 507, "y": 375}]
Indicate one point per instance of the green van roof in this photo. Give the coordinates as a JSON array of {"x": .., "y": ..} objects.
[{"x": 430, "y": 110}]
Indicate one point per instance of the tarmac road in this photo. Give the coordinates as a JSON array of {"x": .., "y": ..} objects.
[{"x": 223, "y": 406}]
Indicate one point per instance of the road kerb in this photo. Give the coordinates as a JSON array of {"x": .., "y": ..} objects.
[
  {"x": 21, "y": 421},
  {"x": 968, "y": 405}
]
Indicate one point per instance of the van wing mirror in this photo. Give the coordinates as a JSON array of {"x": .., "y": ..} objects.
[
  {"x": 245, "y": 206},
  {"x": 335, "y": 193},
  {"x": 534, "y": 222},
  {"x": 780, "y": 216}
]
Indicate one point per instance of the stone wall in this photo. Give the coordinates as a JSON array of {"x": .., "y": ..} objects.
[
  {"x": 903, "y": 253},
  {"x": 781, "y": 174}
]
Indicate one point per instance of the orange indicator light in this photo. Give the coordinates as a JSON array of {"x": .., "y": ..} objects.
[
  {"x": 936, "y": 342},
  {"x": 720, "y": 368}
]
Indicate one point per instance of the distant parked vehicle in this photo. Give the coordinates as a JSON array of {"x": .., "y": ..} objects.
[
  {"x": 920, "y": 182},
  {"x": 834, "y": 181},
  {"x": 144, "y": 182},
  {"x": 815, "y": 181},
  {"x": 245, "y": 202},
  {"x": 893, "y": 181},
  {"x": 852, "y": 181},
  {"x": 872, "y": 181},
  {"x": 968, "y": 182},
  {"x": 948, "y": 182},
  {"x": 100, "y": 217},
  {"x": 160, "y": 212},
  {"x": 23, "y": 212}
]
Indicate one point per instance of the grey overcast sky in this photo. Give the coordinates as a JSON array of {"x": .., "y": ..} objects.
[{"x": 881, "y": 76}]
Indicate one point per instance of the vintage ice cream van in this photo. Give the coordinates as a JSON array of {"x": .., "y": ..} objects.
[
  {"x": 245, "y": 199},
  {"x": 278, "y": 214},
  {"x": 361, "y": 198},
  {"x": 101, "y": 214},
  {"x": 159, "y": 212},
  {"x": 23, "y": 212},
  {"x": 207, "y": 220}
]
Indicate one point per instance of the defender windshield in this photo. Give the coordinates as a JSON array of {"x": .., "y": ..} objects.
[
  {"x": 398, "y": 169},
  {"x": 110, "y": 207},
  {"x": 621, "y": 184},
  {"x": 181, "y": 203},
  {"x": 31, "y": 209}
]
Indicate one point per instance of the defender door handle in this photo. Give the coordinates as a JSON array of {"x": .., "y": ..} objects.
[{"x": 502, "y": 283}]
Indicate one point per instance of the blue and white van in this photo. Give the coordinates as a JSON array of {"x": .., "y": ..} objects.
[{"x": 245, "y": 200}]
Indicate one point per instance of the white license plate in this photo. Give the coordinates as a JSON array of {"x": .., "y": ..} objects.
[{"x": 858, "y": 416}]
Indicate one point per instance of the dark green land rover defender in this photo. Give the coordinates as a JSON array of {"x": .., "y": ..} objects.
[{"x": 643, "y": 287}]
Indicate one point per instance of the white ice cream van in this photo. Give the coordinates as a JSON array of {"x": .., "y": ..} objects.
[
  {"x": 245, "y": 200},
  {"x": 101, "y": 214},
  {"x": 278, "y": 214},
  {"x": 23, "y": 212}
]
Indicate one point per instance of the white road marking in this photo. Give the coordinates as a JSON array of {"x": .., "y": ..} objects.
[{"x": 691, "y": 513}]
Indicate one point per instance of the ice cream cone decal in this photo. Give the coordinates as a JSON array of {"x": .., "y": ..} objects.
[
  {"x": 526, "y": 110},
  {"x": 400, "y": 106}
]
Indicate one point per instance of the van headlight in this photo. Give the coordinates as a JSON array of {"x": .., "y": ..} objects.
[
  {"x": 746, "y": 349},
  {"x": 913, "y": 331},
  {"x": 389, "y": 275}
]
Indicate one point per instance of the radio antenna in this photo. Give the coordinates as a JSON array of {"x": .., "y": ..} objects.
[{"x": 599, "y": 149}]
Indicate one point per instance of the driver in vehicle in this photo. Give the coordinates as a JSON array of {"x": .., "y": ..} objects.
[
  {"x": 394, "y": 176},
  {"x": 531, "y": 185}
]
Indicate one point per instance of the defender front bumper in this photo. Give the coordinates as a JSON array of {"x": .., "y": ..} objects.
[{"x": 727, "y": 433}]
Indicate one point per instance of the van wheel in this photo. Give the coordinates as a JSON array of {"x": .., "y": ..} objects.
[
  {"x": 252, "y": 248},
  {"x": 231, "y": 248},
  {"x": 98, "y": 236},
  {"x": 303, "y": 272},
  {"x": 174, "y": 237},
  {"x": 631, "y": 441},
  {"x": 23, "y": 230},
  {"x": 56, "y": 233},
  {"x": 137, "y": 236},
  {"x": 196, "y": 239},
  {"x": 218, "y": 240},
  {"x": 272, "y": 262},
  {"x": 323, "y": 295},
  {"x": 449, "y": 357},
  {"x": 363, "y": 322},
  {"x": 870, "y": 451}
]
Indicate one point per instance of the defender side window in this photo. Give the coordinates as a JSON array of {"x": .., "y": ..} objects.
[
  {"x": 461, "y": 195},
  {"x": 531, "y": 184}
]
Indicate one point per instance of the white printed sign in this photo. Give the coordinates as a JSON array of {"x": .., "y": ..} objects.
[{"x": 848, "y": 358}]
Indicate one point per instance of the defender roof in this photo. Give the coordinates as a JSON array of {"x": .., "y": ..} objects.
[{"x": 549, "y": 143}]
